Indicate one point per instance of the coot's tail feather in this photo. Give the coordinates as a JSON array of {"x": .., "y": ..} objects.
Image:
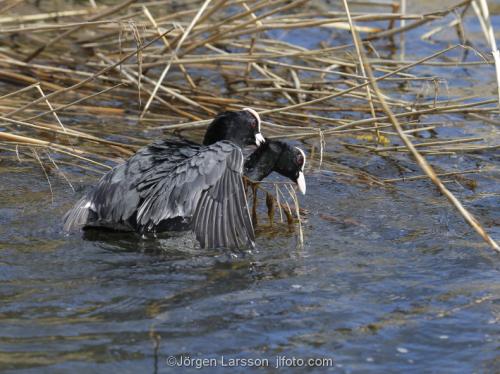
[{"x": 78, "y": 216}]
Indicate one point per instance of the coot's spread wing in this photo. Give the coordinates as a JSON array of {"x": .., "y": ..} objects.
[
  {"x": 171, "y": 179},
  {"x": 115, "y": 199},
  {"x": 208, "y": 187}
]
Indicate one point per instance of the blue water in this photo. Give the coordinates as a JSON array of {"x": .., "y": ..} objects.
[{"x": 390, "y": 279}]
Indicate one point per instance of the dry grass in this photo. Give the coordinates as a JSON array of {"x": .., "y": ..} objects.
[{"x": 91, "y": 84}]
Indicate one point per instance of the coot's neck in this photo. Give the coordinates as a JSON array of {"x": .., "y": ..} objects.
[
  {"x": 215, "y": 133},
  {"x": 263, "y": 161}
]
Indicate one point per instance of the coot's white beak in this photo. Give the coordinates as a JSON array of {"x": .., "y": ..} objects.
[
  {"x": 259, "y": 139},
  {"x": 301, "y": 183}
]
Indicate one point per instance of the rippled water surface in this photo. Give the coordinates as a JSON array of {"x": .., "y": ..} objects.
[
  {"x": 395, "y": 281},
  {"x": 390, "y": 280}
]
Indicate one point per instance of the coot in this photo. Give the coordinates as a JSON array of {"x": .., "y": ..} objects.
[
  {"x": 280, "y": 157},
  {"x": 178, "y": 184}
]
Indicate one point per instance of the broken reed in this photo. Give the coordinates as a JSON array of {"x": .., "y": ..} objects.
[{"x": 139, "y": 69}]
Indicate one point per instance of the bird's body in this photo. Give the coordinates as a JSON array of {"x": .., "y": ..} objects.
[
  {"x": 161, "y": 187},
  {"x": 173, "y": 185}
]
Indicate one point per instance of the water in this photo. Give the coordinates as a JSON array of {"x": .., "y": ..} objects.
[
  {"x": 395, "y": 283},
  {"x": 390, "y": 280}
]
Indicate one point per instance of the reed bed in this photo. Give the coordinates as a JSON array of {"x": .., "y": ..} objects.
[{"x": 83, "y": 85}]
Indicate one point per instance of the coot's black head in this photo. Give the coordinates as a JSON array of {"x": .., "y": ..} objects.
[
  {"x": 280, "y": 157},
  {"x": 241, "y": 127}
]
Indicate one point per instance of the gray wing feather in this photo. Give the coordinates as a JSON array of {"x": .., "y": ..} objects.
[
  {"x": 117, "y": 195},
  {"x": 222, "y": 218},
  {"x": 188, "y": 181},
  {"x": 209, "y": 188},
  {"x": 105, "y": 203},
  {"x": 78, "y": 216}
]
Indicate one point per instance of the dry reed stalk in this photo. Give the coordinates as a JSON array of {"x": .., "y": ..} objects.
[
  {"x": 402, "y": 45},
  {"x": 422, "y": 21},
  {"x": 174, "y": 55},
  {"x": 45, "y": 16},
  {"x": 128, "y": 74},
  {"x": 81, "y": 83},
  {"x": 62, "y": 107},
  {"x": 54, "y": 27},
  {"x": 343, "y": 92},
  {"x": 295, "y": 199},
  {"x": 68, "y": 132},
  {"x": 421, "y": 161},
  {"x": 67, "y": 33},
  {"x": 483, "y": 14},
  {"x": 21, "y": 90},
  {"x": 420, "y": 177},
  {"x": 10, "y": 6},
  {"x": 167, "y": 44},
  {"x": 51, "y": 107},
  {"x": 35, "y": 154}
]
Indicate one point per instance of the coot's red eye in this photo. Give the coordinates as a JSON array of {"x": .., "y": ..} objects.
[
  {"x": 253, "y": 123},
  {"x": 300, "y": 159}
]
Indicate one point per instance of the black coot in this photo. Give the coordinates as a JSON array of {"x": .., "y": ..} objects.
[
  {"x": 280, "y": 157},
  {"x": 177, "y": 184}
]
